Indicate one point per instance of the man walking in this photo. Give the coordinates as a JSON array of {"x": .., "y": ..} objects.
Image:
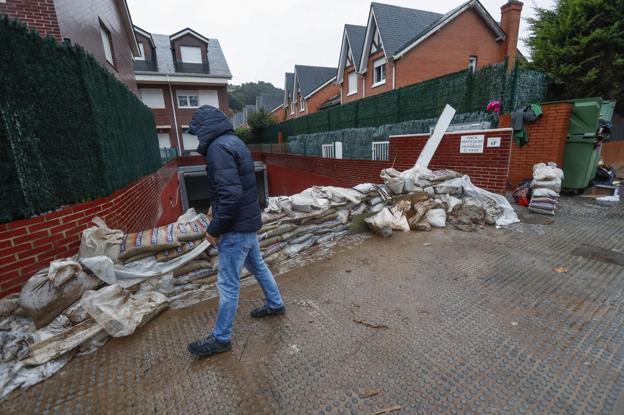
[{"x": 236, "y": 218}]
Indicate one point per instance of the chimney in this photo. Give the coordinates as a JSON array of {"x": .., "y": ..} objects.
[{"x": 510, "y": 23}]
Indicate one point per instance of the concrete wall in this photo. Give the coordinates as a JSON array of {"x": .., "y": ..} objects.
[{"x": 28, "y": 245}]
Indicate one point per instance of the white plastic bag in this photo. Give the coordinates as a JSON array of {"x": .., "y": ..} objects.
[
  {"x": 508, "y": 215},
  {"x": 437, "y": 218}
]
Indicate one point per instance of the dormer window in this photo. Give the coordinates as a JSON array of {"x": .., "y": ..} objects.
[
  {"x": 141, "y": 56},
  {"x": 191, "y": 54}
]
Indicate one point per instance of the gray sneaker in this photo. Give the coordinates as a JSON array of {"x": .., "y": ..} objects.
[
  {"x": 265, "y": 310},
  {"x": 208, "y": 346}
]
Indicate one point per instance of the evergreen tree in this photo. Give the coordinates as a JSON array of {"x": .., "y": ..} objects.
[{"x": 580, "y": 44}]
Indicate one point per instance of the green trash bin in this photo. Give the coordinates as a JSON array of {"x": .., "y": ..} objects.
[{"x": 582, "y": 149}]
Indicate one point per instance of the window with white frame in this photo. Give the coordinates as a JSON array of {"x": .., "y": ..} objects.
[
  {"x": 352, "y": 83},
  {"x": 191, "y": 54},
  {"x": 141, "y": 56},
  {"x": 292, "y": 107},
  {"x": 188, "y": 99},
  {"x": 107, "y": 43},
  {"x": 381, "y": 150},
  {"x": 152, "y": 97},
  {"x": 301, "y": 104},
  {"x": 472, "y": 64},
  {"x": 327, "y": 151},
  {"x": 379, "y": 71}
]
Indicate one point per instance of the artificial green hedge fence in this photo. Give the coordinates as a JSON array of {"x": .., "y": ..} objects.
[
  {"x": 69, "y": 130},
  {"x": 465, "y": 91}
]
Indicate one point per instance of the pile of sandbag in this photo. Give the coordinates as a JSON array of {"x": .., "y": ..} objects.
[
  {"x": 424, "y": 199},
  {"x": 545, "y": 188}
]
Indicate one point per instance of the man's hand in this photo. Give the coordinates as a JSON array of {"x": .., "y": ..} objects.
[{"x": 213, "y": 241}]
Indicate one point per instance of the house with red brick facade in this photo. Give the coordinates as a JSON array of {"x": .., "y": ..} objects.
[
  {"x": 102, "y": 27},
  {"x": 402, "y": 46},
  {"x": 175, "y": 75},
  {"x": 348, "y": 77},
  {"x": 312, "y": 88}
]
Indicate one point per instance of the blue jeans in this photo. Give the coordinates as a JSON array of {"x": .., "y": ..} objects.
[{"x": 235, "y": 251}]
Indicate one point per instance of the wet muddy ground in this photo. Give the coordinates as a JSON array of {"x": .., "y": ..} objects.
[{"x": 522, "y": 320}]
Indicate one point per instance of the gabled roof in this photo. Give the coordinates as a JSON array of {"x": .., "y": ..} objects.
[
  {"x": 310, "y": 79},
  {"x": 269, "y": 101},
  {"x": 402, "y": 28},
  {"x": 188, "y": 31},
  {"x": 289, "y": 79},
  {"x": 448, "y": 17},
  {"x": 145, "y": 33},
  {"x": 352, "y": 39},
  {"x": 164, "y": 57},
  {"x": 128, "y": 26}
]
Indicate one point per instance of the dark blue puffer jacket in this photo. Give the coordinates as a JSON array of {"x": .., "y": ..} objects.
[{"x": 231, "y": 177}]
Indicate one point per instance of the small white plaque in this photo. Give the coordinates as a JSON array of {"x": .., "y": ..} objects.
[
  {"x": 471, "y": 144},
  {"x": 494, "y": 142}
]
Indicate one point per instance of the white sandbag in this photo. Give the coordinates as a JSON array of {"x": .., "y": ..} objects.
[
  {"x": 377, "y": 208},
  {"x": 100, "y": 240},
  {"x": 415, "y": 172},
  {"x": 508, "y": 215},
  {"x": 393, "y": 180},
  {"x": 545, "y": 193},
  {"x": 291, "y": 250},
  {"x": 47, "y": 293},
  {"x": 437, "y": 218},
  {"x": 119, "y": 312},
  {"x": 409, "y": 184},
  {"x": 554, "y": 185},
  {"x": 341, "y": 194},
  {"x": 365, "y": 188},
  {"x": 548, "y": 171},
  {"x": 391, "y": 218},
  {"x": 451, "y": 187},
  {"x": 307, "y": 201}
]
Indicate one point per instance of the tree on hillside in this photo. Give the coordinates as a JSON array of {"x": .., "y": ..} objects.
[
  {"x": 259, "y": 120},
  {"x": 580, "y": 44},
  {"x": 247, "y": 92}
]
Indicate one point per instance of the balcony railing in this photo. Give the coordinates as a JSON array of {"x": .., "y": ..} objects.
[
  {"x": 185, "y": 67},
  {"x": 145, "y": 65}
]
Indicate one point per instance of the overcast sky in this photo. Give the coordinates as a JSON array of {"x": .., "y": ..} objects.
[{"x": 262, "y": 39}]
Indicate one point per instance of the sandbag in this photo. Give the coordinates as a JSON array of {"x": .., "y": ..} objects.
[
  {"x": 393, "y": 180},
  {"x": 291, "y": 250},
  {"x": 450, "y": 187},
  {"x": 192, "y": 230},
  {"x": 392, "y": 218},
  {"x": 547, "y": 172},
  {"x": 366, "y": 188},
  {"x": 193, "y": 266},
  {"x": 554, "y": 185},
  {"x": 100, "y": 240},
  {"x": 8, "y": 305},
  {"x": 119, "y": 312},
  {"x": 169, "y": 254},
  {"x": 287, "y": 227},
  {"x": 50, "y": 291},
  {"x": 419, "y": 212},
  {"x": 437, "y": 218},
  {"x": 441, "y": 175},
  {"x": 544, "y": 193},
  {"x": 152, "y": 240}
]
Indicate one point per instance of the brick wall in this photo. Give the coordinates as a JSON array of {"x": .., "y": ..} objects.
[
  {"x": 449, "y": 50},
  {"x": 289, "y": 174},
  {"x": 547, "y": 138},
  {"x": 37, "y": 14},
  {"x": 613, "y": 155},
  {"x": 28, "y": 245},
  {"x": 328, "y": 91}
]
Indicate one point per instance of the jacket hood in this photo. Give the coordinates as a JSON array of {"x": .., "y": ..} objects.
[{"x": 207, "y": 124}]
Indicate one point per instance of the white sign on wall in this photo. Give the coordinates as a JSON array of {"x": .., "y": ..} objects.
[
  {"x": 471, "y": 144},
  {"x": 494, "y": 142}
]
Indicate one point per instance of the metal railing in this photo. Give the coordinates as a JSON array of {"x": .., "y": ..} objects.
[
  {"x": 327, "y": 151},
  {"x": 185, "y": 67},
  {"x": 381, "y": 150},
  {"x": 145, "y": 65}
]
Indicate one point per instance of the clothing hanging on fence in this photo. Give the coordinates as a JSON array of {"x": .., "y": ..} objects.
[{"x": 520, "y": 117}]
